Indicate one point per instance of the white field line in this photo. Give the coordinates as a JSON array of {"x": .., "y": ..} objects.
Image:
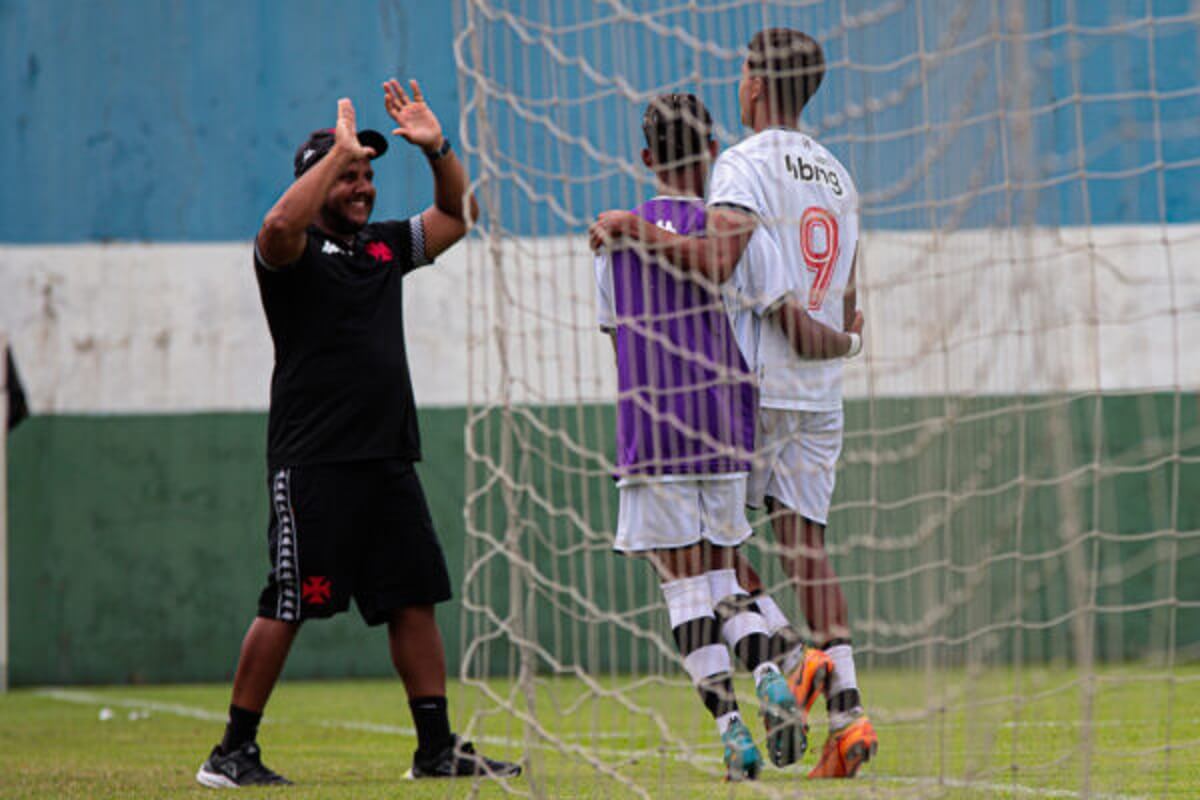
[
  {"x": 88, "y": 698},
  {"x": 1099, "y": 723},
  {"x": 1011, "y": 788},
  {"x": 192, "y": 712}
]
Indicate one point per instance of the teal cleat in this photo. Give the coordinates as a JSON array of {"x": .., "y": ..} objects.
[
  {"x": 787, "y": 735},
  {"x": 742, "y": 760}
]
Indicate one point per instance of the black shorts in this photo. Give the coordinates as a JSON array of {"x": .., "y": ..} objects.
[{"x": 358, "y": 529}]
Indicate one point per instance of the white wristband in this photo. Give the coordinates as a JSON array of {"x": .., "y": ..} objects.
[{"x": 855, "y": 345}]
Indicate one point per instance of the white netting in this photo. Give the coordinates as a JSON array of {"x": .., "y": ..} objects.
[{"x": 1015, "y": 523}]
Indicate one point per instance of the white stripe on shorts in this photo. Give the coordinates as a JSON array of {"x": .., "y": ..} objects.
[{"x": 287, "y": 551}]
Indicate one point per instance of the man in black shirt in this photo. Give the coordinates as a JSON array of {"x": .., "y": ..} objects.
[{"x": 348, "y": 517}]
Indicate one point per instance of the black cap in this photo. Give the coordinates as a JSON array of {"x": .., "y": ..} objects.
[{"x": 321, "y": 142}]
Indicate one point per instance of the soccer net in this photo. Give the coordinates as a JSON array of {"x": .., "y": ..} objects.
[{"x": 1015, "y": 523}]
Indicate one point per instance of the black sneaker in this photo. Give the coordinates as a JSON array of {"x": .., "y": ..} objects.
[
  {"x": 242, "y": 767},
  {"x": 459, "y": 760}
]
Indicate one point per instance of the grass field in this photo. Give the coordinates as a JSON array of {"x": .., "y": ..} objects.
[{"x": 943, "y": 734}]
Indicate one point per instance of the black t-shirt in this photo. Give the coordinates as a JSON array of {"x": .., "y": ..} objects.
[{"x": 341, "y": 390}]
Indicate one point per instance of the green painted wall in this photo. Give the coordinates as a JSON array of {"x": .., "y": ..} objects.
[
  {"x": 138, "y": 548},
  {"x": 137, "y": 544},
  {"x": 949, "y": 534}
]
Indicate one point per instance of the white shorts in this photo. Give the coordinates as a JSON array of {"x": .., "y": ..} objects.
[
  {"x": 658, "y": 515},
  {"x": 795, "y": 460}
]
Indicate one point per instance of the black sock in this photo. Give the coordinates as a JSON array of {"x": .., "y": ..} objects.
[
  {"x": 241, "y": 728},
  {"x": 752, "y": 650},
  {"x": 845, "y": 700},
  {"x": 432, "y": 722}
]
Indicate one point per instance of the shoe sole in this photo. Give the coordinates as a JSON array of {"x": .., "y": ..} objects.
[
  {"x": 214, "y": 781},
  {"x": 786, "y": 741},
  {"x": 858, "y": 754},
  {"x": 409, "y": 775}
]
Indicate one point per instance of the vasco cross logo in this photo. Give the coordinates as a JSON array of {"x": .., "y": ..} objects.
[
  {"x": 316, "y": 590},
  {"x": 801, "y": 170},
  {"x": 379, "y": 251}
]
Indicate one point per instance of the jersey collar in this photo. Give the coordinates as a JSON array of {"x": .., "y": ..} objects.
[{"x": 690, "y": 197}]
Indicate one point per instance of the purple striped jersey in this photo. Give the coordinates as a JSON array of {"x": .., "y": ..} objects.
[{"x": 687, "y": 399}]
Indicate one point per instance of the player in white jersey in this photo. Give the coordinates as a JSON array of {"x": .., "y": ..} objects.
[{"x": 783, "y": 181}]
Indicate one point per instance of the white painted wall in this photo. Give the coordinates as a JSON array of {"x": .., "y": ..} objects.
[{"x": 119, "y": 328}]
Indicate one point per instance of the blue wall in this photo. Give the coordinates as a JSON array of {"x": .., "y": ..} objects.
[
  {"x": 176, "y": 120},
  {"x": 1066, "y": 162}
]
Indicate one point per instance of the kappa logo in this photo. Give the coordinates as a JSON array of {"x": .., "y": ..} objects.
[
  {"x": 331, "y": 248},
  {"x": 801, "y": 170}
]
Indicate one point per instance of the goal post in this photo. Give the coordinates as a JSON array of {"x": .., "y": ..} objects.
[{"x": 1012, "y": 524}]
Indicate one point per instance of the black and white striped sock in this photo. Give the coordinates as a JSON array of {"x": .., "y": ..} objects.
[
  {"x": 698, "y": 636},
  {"x": 844, "y": 701},
  {"x": 742, "y": 624},
  {"x": 786, "y": 645}
]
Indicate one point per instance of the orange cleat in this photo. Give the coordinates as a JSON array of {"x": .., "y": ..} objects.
[
  {"x": 846, "y": 750},
  {"x": 809, "y": 678}
]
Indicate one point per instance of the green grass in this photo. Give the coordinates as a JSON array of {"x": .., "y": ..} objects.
[{"x": 999, "y": 733}]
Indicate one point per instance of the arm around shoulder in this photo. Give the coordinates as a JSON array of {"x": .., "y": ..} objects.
[{"x": 714, "y": 256}]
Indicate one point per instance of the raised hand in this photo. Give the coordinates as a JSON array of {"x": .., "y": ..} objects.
[
  {"x": 415, "y": 120},
  {"x": 345, "y": 135}
]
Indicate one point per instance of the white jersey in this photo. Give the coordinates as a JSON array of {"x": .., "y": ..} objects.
[
  {"x": 805, "y": 199},
  {"x": 760, "y": 283}
]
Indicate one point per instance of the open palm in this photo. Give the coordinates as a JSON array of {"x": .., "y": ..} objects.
[
  {"x": 346, "y": 132},
  {"x": 415, "y": 120}
]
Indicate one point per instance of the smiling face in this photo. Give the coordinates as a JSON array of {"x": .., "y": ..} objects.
[{"x": 348, "y": 205}]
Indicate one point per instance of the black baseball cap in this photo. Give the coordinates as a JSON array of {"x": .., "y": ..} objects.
[{"x": 320, "y": 142}]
